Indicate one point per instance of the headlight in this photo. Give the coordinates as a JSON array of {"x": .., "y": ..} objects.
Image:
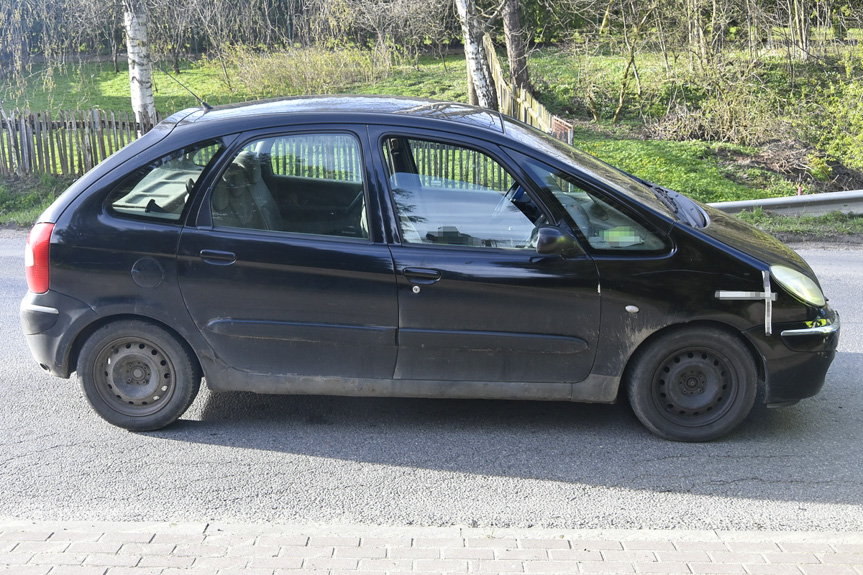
[{"x": 800, "y": 286}]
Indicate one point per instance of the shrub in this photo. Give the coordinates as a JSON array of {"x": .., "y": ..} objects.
[
  {"x": 734, "y": 107},
  {"x": 299, "y": 71},
  {"x": 833, "y": 119}
]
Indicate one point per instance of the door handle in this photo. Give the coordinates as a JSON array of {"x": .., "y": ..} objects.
[
  {"x": 218, "y": 258},
  {"x": 421, "y": 276}
]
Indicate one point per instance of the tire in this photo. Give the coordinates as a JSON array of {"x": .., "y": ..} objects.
[
  {"x": 137, "y": 376},
  {"x": 693, "y": 384}
]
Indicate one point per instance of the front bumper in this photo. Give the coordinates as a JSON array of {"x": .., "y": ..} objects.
[{"x": 797, "y": 359}]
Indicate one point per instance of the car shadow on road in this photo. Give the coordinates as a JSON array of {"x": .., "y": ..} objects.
[{"x": 779, "y": 454}]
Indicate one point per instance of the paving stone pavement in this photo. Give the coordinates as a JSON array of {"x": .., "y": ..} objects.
[{"x": 85, "y": 548}]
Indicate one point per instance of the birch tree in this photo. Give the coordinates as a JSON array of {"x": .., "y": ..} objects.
[
  {"x": 135, "y": 22},
  {"x": 480, "y": 80}
]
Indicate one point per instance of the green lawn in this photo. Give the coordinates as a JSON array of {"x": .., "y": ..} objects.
[
  {"x": 831, "y": 225},
  {"x": 95, "y": 85}
]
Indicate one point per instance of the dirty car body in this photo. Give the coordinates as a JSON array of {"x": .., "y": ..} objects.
[{"x": 381, "y": 246}]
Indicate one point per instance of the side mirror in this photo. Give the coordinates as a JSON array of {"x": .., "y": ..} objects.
[{"x": 553, "y": 241}]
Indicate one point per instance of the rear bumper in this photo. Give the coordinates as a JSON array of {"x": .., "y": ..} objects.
[{"x": 50, "y": 323}]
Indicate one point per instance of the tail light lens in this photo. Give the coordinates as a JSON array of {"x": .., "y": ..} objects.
[{"x": 36, "y": 263}]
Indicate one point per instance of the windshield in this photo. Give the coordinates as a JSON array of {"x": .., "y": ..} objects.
[{"x": 610, "y": 176}]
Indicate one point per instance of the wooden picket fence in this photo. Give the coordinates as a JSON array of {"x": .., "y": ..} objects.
[
  {"x": 521, "y": 104},
  {"x": 63, "y": 143}
]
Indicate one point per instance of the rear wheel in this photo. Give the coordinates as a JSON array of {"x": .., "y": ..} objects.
[
  {"x": 693, "y": 384},
  {"x": 137, "y": 376}
]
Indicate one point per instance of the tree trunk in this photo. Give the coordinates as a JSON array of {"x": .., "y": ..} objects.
[
  {"x": 4, "y": 119},
  {"x": 631, "y": 39},
  {"x": 515, "y": 49},
  {"x": 479, "y": 71},
  {"x": 801, "y": 28},
  {"x": 471, "y": 89},
  {"x": 696, "y": 36},
  {"x": 135, "y": 20},
  {"x": 22, "y": 57},
  {"x": 115, "y": 54}
]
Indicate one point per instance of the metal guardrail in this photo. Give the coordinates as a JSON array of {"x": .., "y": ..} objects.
[{"x": 810, "y": 205}]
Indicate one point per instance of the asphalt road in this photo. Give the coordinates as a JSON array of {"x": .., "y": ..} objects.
[{"x": 242, "y": 457}]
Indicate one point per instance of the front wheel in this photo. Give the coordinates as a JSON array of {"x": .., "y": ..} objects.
[
  {"x": 137, "y": 376},
  {"x": 694, "y": 384}
]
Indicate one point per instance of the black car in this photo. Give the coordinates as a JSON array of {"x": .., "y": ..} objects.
[{"x": 399, "y": 247}]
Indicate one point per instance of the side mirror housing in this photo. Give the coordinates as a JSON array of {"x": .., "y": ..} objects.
[{"x": 553, "y": 241}]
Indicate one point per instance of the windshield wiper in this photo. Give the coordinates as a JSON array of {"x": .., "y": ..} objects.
[
  {"x": 684, "y": 208},
  {"x": 664, "y": 195}
]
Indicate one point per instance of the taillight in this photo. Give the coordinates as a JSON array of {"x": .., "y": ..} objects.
[{"x": 36, "y": 257}]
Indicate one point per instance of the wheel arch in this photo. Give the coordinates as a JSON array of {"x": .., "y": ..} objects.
[
  {"x": 85, "y": 334},
  {"x": 757, "y": 358}
]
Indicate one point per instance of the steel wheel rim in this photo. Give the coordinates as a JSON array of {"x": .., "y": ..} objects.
[
  {"x": 134, "y": 376},
  {"x": 695, "y": 387}
]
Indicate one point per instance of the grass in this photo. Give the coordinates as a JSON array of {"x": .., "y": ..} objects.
[
  {"x": 95, "y": 85},
  {"x": 427, "y": 77},
  {"x": 693, "y": 168},
  {"x": 22, "y": 200},
  {"x": 832, "y": 225}
]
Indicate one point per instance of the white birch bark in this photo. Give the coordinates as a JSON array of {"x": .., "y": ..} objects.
[
  {"x": 478, "y": 68},
  {"x": 136, "y": 21}
]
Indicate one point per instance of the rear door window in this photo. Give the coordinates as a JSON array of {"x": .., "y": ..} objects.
[{"x": 298, "y": 183}]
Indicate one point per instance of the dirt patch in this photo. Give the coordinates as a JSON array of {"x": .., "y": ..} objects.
[{"x": 797, "y": 163}]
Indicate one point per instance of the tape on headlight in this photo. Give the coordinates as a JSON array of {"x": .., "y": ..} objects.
[{"x": 798, "y": 285}]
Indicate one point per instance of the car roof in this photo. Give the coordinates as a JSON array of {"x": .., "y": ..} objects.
[{"x": 364, "y": 108}]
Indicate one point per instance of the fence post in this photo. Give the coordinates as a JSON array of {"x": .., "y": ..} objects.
[
  {"x": 52, "y": 154},
  {"x": 39, "y": 164},
  {"x": 24, "y": 166},
  {"x": 80, "y": 167},
  {"x": 10, "y": 149},
  {"x": 100, "y": 135}
]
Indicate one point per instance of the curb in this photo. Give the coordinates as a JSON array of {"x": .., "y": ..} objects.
[{"x": 167, "y": 548}]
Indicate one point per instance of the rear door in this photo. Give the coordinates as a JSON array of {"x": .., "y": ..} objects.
[
  {"x": 281, "y": 275},
  {"x": 476, "y": 301}
]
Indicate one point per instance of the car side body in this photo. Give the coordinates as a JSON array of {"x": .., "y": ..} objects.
[{"x": 381, "y": 246}]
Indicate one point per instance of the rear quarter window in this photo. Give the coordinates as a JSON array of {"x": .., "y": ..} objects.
[{"x": 160, "y": 190}]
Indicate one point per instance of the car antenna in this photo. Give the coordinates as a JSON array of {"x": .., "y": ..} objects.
[{"x": 203, "y": 104}]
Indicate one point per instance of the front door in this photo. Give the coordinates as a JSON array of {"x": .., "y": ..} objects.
[{"x": 476, "y": 301}]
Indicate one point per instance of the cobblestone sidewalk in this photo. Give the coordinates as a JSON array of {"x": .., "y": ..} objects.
[{"x": 85, "y": 548}]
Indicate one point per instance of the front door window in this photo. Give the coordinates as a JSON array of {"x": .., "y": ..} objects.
[{"x": 453, "y": 195}]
